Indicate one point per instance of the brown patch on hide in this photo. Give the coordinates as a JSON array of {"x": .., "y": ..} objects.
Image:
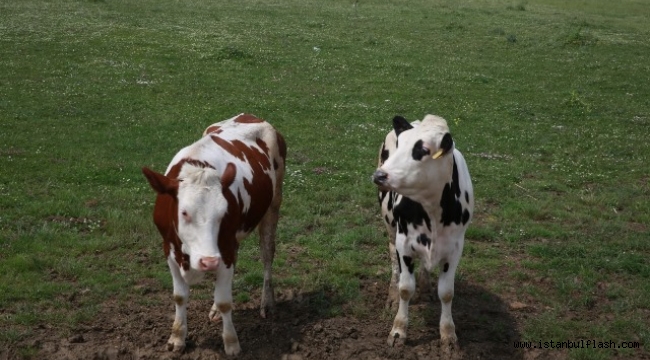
[
  {"x": 248, "y": 119},
  {"x": 229, "y": 147},
  {"x": 227, "y": 240},
  {"x": 213, "y": 130},
  {"x": 165, "y": 212},
  {"x": 228, "y": 176},
  {"x": 260, "y": 190},
  {"x": 262, "y": 146}
]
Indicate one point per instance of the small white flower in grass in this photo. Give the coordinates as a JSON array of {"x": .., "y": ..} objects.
[{"x": 316, "y": 48}]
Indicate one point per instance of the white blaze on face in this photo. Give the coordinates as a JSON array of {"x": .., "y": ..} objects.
[
  {"x": 201, "y": 207},
  {"x": 411, "y": 169}
]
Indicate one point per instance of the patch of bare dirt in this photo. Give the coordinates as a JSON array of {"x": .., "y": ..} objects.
[{"x": 298, "y": 330}]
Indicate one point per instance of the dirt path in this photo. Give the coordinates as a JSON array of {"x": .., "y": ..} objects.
[{"x": 485, "y": 326}]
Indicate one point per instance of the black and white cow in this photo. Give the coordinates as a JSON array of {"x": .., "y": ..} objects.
[{"x": 427, "y": 202}]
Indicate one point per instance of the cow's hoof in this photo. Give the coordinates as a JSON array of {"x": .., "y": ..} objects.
[
  {"x": 448, "y": 334},
  {"x": 449, "y": 348},
  {"x": 268, "y": 304},
  {"x": 232, "y": 349},
  {"x": 451, "y": 352},
  {"x": 214, "y": 314},
  {"x": 395, "y": 339},
  {"x": 175, "y": 346},
  {"x": 451, "y": 340},
  {"x": 266, "y": 310}
]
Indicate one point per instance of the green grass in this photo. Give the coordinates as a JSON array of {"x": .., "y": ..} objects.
[{"x": 548, "y": 100}]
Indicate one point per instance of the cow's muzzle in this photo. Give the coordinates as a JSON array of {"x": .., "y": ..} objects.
[
  {"x": 380, "y": 178},
  {"x": 208, "y": 263}
]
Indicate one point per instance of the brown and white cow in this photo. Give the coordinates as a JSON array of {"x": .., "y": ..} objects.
[
  {"x": 427, "y": 201},
  {"x": 212, "y": 195}
]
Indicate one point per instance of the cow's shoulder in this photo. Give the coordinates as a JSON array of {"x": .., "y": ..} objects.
[{"x": 457, "y": 201}]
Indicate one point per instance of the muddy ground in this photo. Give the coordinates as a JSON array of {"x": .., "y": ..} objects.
[{"x": 486, "y": 327}]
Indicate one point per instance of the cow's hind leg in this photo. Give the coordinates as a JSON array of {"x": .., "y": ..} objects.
[
  {"x": 267, "y": 230},
  {"x": 392, "y": 301},
  {"x": 223, "y": 301},
  {"x": 423, "y": 280},
  {"x": 387, "y": 199},
  {"x": 446, "y": 294},
  {"x": 176, "y": 341},
  {"x": 406, "y": 266}
]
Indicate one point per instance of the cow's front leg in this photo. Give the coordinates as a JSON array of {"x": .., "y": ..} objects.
[
  {"x": 176, "y": 341},
  {"x": 446, "y": 294},
  {"x": 406, "y": 266},
  {"x": 223, "y": 302}
]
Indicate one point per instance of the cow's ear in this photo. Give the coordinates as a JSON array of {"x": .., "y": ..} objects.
[
  {"x": 447, "y": 143},
  {"x": 400, "y": 124},
  {"x": 161, "y": 183},
  {"x": 228, "y": 176}
]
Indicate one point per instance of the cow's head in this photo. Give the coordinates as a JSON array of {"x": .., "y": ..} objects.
[
  {"x": 423, "y": 157},
  {"x": 201, "y": 206}
]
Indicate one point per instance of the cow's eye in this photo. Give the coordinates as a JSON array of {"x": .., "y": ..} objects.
[
  {"x": 420, "y": 151},
  {"x": 186, "y": 216}
]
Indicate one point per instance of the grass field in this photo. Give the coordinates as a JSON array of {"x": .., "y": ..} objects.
[{"x": 548, "y": 100}]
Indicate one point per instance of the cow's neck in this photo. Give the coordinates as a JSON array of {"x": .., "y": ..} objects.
[
  {"x": 432, "y": 200},
  {"x": 432, "y": 207}
]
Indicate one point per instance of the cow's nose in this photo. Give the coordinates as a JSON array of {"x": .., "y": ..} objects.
[
  {"x": 379, "y": 177},
  {"x": 208, "y": 263}
]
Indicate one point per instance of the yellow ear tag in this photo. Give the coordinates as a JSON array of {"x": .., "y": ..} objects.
[{"x": 437, "y": 154}]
